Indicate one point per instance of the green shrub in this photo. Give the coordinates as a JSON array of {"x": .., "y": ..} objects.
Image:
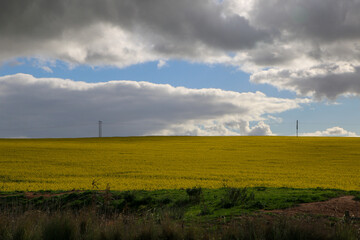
[
  {"x": 236, "y": 196},
  {"x": 195, "y": 194}
]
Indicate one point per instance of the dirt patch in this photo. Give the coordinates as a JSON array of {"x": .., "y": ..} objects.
[
  {"x": 335, "y": 207},
  {"x": 30, "y": 195}
]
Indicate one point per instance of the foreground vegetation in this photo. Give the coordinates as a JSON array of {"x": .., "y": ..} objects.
[
  {"x": 187, "y": 204},
  {"x": 194, "y": 213},
  {"x": 179, "y": 162},
  {"x": 70, "y": 226}
]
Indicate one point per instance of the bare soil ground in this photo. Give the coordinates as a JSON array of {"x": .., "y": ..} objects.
[
  {"x": 30, "y": 195},
  {"x": 335, "y": 207}
]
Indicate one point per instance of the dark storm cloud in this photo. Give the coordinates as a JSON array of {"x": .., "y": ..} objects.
[
  {"x": 322, "y": 82},
  {"x": 318, "y": 20},
  {"x": 322, "y": 54},
  {"x": 167, "y": 25},
  {"x": 331, "y": 85},
  {"x": 254, "y": 35}
]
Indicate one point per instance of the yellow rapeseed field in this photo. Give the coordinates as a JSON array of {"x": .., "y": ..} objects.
[{"x": 179, "y": 162}]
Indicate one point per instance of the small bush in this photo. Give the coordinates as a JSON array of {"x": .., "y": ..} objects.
[
  {"x": 236, "y": 196},
  {"x": 128, "y": 196},
  {"x": 165, "y": 201},
  {"x": 194, "y": 194}
]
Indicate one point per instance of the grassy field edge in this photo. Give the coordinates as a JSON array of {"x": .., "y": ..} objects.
[{"x": 191, "y": 203}]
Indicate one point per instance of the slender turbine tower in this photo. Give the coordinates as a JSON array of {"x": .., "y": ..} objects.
[
  {"x": 100, "y": 129},
  {"x": 297, "y": 128}
]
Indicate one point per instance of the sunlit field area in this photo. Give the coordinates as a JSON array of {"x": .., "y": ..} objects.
[{"x": 179, "y": 162}]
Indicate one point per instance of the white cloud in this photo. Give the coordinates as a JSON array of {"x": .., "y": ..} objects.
[
  {"x": 122, "y": 33},
  {"x": 47, "y": 69},
  {"x": 222, "y": 127},
  {"x": 332, "y": 132},
  {"x": 161, "y": 64},
  {"x": 52, "y": 107},
  {"x": 274, "y": 119},
  {"x": 260, "y": 129}
]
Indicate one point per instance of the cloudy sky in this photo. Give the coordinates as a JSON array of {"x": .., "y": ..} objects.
[{"x": 179, "y": 67}]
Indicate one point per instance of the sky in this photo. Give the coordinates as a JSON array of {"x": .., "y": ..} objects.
[{"x": 179, "y": 67}]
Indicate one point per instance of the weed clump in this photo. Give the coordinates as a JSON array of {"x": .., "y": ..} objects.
[
  {"x": 236, "y": 196},
  {"x": 195, "y": 194}
]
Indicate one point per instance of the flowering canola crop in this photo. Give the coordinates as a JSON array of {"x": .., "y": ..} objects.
[{"x": 179, "y": 162}]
